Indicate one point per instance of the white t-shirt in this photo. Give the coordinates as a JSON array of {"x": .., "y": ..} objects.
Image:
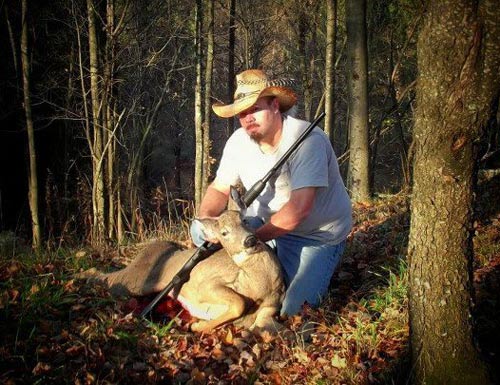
[{"x": 313, "y": 164}]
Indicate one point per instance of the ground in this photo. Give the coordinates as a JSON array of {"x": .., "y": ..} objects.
[{"x": 56, "y": 330}]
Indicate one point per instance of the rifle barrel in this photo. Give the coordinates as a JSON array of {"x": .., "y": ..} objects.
[{"x": 257, "y": 188}]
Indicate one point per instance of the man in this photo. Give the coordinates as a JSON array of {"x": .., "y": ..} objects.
[{"x": 305, "y": 209}]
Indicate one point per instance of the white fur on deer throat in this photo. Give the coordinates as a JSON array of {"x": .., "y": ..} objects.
[{"x": 241, "y": 257}]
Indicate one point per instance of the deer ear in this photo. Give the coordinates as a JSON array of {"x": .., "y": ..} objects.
[
  {"x": 208, "y": 226},
  {"x": 236, "y": 198}
]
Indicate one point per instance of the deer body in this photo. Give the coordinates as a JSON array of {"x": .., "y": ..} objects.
[{"x": 242, "y": 282}]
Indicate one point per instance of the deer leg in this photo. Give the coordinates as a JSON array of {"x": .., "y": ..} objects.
[
  {"x": 222, "y": 296},
  {"x": 265, "y": 321}
]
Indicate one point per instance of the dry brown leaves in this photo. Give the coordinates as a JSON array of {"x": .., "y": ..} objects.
[{"x": 57, "y": 331}]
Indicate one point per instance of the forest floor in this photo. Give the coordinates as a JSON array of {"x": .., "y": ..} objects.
[{"x": 56, "y": 330}]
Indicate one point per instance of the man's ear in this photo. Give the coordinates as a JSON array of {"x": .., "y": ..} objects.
[{"x": 276, "y": 104}]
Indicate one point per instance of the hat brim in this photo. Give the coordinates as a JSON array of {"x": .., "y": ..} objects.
[{"x": 286, "y": 98}]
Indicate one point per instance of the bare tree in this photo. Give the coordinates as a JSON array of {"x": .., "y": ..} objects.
[
  {"x": 11, "y": 40},
  {"x": 209, "y": 68},
  {"x": 230, "y": 66},
  {"x": 98, "y": 197},
  {"x": 256, "y": 38},
  {"x": 358, "y": 179},
  {"x": 198, "y": 106},
  {"x": 33, "y": 178},
  {"x": 109, "y": 120},
  {"x": 331, "y": 37}
]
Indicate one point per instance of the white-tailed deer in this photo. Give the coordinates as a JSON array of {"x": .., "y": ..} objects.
[{"x": 241, "y": 283}]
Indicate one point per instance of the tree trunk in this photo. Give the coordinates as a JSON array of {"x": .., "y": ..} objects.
[
  {"x": 331, "y": 31},
  {"x": 109, "y": 117},
  {"x": 198, "y": 108},
  {"x": 98, "y": 197},
  {"x": 207, "y": 93},
  {"x": 357, "y": 55},
  {"x": 306, "y": 100},
  {"x": 458, "y": 59},
  {"x": 110, "y": 125},
  {"x": 306, "y": 41},
  {"x": 230, "y": 59},
  {"x": 33, "y": 178}
]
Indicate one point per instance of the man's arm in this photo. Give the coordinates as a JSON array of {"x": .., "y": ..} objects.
[
  {"x": 215, "y": 200},
  {"x": 290, "y": 215}
]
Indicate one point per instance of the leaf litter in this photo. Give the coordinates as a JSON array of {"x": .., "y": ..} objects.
[{"x": 55, "y": 330}]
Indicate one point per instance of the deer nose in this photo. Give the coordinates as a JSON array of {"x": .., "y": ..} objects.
[{"x": 250, "y": 241}]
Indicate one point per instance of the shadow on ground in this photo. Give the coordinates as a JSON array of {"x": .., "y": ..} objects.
[{"x": 487, "y": 273}]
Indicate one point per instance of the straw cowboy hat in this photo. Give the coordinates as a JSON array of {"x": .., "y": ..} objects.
[{"x": 251, "y": 85}]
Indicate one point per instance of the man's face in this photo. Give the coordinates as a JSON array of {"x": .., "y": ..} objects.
[{"x": 259, "y": 120}]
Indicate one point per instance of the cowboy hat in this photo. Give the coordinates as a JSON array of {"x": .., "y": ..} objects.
[{"x": 251, "y": 85}]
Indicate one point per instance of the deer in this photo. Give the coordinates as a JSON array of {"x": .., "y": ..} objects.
[{"x": 242, "y": 283}]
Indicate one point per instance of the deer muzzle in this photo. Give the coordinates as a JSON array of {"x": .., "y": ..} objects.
[{"x": 250, "y": 241}]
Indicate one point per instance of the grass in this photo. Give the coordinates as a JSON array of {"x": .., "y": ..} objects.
[
  {"x": 394, "y": 294},
  {"x": 160, "y": 330},
  {"x": 367, "y": 338}
]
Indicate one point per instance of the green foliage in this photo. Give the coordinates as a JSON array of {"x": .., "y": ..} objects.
[
  {"x": 395, "y": 293},
  {"x": 161, "y": 330},
  {"x": 380, "y": 315},
  {"x": 129, "y": 338}
]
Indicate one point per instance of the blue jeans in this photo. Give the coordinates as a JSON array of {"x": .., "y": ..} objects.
[{"x": 308, "y": 266}]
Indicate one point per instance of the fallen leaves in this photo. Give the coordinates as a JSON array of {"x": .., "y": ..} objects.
[
  {"x": 102, "y": 340},
  {"x": 338, "y": 362},
  {"x": 41, "y": 368},
  {"x": 56, "y": 330}
]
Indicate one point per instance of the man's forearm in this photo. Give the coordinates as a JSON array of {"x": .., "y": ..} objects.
[
  {"x": 289, "y": 216},
  {"x": 214, "y": 202},
  {"x": 269, "y": 231}
]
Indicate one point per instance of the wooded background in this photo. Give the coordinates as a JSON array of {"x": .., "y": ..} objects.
[
  {"x": 107, "y": 133},
  {"x": 120, "y": 95}
]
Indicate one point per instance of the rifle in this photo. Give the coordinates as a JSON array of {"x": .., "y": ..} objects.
[{"x": 208, "y": 248}]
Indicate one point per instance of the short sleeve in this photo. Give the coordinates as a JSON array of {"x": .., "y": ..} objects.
[
  {"x": 227, "y": 173},
  {"x": 309, "y": 164}
]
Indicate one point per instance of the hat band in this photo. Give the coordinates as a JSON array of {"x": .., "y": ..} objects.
[
  {"x": 243, "y": 95},
  {"x": 265, "y": 82},
  {"x": 242, "y": 82}
]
